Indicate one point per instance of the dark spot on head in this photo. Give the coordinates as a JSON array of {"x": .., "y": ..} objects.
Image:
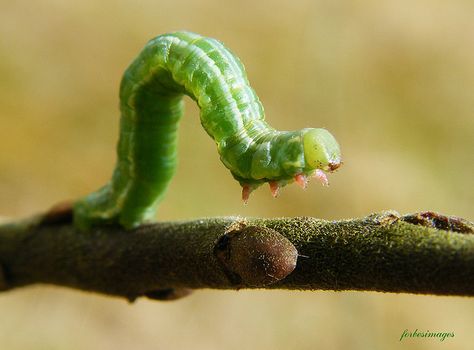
[{"x": 334, "y": 165}]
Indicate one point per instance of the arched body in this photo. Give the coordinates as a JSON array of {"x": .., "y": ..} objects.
[{"x": 151, "y": 92}]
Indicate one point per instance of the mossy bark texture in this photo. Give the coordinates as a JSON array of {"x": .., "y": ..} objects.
[{"x": 425, "y": 253}]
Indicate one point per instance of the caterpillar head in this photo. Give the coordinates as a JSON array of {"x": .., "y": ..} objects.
[
  {"x": 321, "y": 154},
  {"x": 321, "y": 150}
]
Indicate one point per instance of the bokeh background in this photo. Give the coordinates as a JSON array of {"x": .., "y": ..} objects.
[{"x": 393, "y": 80}]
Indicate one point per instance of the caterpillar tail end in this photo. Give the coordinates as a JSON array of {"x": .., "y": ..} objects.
[{"x": 100, "y": 208}]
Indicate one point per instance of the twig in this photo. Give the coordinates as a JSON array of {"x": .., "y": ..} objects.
[{"x": 424, "y": 253}]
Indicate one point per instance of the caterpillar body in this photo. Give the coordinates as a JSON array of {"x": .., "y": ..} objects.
[{"x": 151, "y": 92}]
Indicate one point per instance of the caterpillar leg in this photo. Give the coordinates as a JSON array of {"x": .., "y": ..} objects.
[
  {"x": 321, "y": 176},
  {"x": 246, "y": 190},
  {"x": 301, "y": 179},
  {"x": 274, "y": 188}
]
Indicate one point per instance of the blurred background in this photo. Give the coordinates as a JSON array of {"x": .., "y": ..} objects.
[{"x": 392, "y": 80}]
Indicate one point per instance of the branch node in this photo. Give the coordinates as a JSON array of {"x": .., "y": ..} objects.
[
  {"x": 253, "y": 256},
  {"x": 384, "y": 218},
  {"x": 60, "y": 213},
  {"x": 440, "y": 222}
]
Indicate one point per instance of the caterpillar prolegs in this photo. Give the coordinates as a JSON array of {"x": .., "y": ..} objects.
[{"x": 151, "y": 92}]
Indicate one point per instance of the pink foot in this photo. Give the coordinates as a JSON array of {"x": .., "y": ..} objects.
[
  {"x": 274, "y": 188},
  {"x": 321, "y": 176},
  {"x": 301, "y": 180},
  {"x": 246, "y": 190}
]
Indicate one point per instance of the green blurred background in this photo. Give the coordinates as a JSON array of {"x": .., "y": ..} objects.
[{"x": 392, "y": 80}]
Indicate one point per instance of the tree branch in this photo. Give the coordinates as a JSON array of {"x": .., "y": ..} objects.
[{"x": 424, "y": 253}]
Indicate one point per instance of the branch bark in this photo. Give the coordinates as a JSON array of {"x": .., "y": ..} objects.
[{"x": 425, "y": 253}]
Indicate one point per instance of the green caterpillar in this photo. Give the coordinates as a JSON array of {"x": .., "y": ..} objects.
[{"x": 151, "y": 92}]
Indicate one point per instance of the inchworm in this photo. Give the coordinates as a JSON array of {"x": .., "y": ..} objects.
[{"x": 151, "y": 93}]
